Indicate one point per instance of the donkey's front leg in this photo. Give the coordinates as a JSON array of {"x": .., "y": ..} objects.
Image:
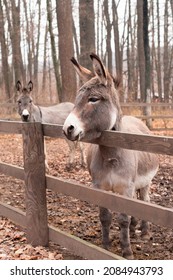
[
  {"x": 145, "y": 226},
  {"x": 106, "y": 219},
  {"x": 124, "y": 222},
  {"x": 82, "y": 154},
  {"x": 45, "y": 154},
  {"x": 72, "y": 148}
]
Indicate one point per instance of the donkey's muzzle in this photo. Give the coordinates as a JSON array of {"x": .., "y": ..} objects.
[
  {"x": 73, "y": 128},
  {"x": 25, "y": 115},
  {"x": 69, "y": 133}
]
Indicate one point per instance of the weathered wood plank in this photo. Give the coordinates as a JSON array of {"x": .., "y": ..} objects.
[
  {"x": 13, "y": 214},
  {"x": 148, "y": 143},
  {"x": 142, "y": 104},
  {"x": 74, "y": 244},
  {"x": 154, "y": 213},
  {"x": 154, "y": 117},
  {"x": 12, "y": 170},
  {"x": 10, "y": 127},
  {"x": 139, "y": 209},
  {"x": 80, "y": 247},
  {"x": 35, "y": 184},
  {"x": 53, "y": 130}
]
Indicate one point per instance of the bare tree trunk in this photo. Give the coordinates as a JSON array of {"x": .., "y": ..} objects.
[
  {"x": 129, "y": 63},
  {"x": 87, "y": 31},
  {"x": 4, "y": 54},
  {"x": 159, "y": 75},
  {"x": 141, "y": 54},
  {"x": 75, "y": 40},
  {"x": 98, "y": 27},
  {"x": 53, "y": 48},
  {"x": 66, "y": 49},
  {"x": 19, "y": 70},
  {"x": 147, "y": 62},
  {"x": 28, "y": 39},
  {"x": 37, "y": 47},
  {"x": 171, "y": 3},
  {"x": 118, "y": 54},
  {"x": 108, "y": 35},
  {"x": 44, "y": 60},
  {"x": 153, "y": 51},
  {"x": 166, "y": 55},
  {"x": 102, "y": 35}
]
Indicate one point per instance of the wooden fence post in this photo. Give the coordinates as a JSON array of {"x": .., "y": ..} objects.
[{"x": 35, "y": 184}]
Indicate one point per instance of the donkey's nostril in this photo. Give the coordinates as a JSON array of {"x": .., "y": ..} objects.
[{"x": 70, "y": 129}]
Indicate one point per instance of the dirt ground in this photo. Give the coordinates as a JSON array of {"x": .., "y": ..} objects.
[{"x": 74, "y": 216}]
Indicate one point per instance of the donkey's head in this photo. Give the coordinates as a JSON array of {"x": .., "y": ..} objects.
[
  {"x": 97, "y": 105},
  {"x": 24, "y": 101}
]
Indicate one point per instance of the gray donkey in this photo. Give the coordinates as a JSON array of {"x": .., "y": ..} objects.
[
  {"x": 56, "y": 114},
  {"x": 121, "y": 171}
]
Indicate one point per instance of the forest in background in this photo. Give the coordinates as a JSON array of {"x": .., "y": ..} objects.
[{"x": 134, "y": 38}]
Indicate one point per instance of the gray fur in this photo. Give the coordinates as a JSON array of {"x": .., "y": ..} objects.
[
  {"x": 121, "y": 171},
  {"x": 56, "y": 114}
]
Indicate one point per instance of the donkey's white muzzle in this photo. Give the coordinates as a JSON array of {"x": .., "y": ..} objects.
[
  {"x": 25, "y": 115},
  {"x": 73, "y": 128}
]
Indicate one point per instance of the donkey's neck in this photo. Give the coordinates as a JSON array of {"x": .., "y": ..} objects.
[
  {"x": 112, "y": 154},
  {"x": 36, "y": 115}
]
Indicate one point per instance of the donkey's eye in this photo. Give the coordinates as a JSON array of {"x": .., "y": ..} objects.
[
  {"x": 19, "y": 102},
  {"x": 30, "y": 101},
  {"x": 93, "y": 99}
]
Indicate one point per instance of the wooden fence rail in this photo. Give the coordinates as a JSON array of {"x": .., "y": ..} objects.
[{"x": 33, "y": 173}]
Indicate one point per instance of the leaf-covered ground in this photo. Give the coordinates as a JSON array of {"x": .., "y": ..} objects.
[{"x": 74, "y": 216}]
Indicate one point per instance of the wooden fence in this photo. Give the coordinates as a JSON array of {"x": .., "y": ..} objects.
[
  {"x": 35, "y": 219},
  {"x": 155, "y": 111}
]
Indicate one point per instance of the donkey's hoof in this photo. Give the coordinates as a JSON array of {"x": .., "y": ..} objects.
[
  {"x": 83, "y": 165},
  {"x": 146, "y": 235},
  {"x": 69, "y": 167},
  {"x": 107, "y": 245},
  {"x": 128, "y": 254},
  {"x": 133, "y": 234},
  {"x": 128, "y": 257}
]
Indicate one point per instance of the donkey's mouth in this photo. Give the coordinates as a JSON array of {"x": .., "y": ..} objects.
[
  {"x": 25, "y": 118},
  {"x": 73, "y": 137}
]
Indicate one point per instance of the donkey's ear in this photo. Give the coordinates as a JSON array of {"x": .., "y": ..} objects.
[
  {"x": 30, "y": 86},
  {"x": 83, "y": 73},
  {"x": 99, "y": 68},
  {"x": 18, "y": 86}
]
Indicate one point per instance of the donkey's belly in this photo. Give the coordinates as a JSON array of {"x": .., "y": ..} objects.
[
  {"x": 124, "y": 185},
  {"x": 144, "y": 180},
  {"x": 117, "y": 184}
]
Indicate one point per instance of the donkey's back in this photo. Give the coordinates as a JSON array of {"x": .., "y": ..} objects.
[{"x": 56, "y": 114}]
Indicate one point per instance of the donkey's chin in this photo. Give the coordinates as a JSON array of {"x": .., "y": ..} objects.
[{"x": 73, "y": 136}]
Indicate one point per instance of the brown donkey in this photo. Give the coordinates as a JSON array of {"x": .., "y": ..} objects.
[{"x": 118, "y": 170}]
